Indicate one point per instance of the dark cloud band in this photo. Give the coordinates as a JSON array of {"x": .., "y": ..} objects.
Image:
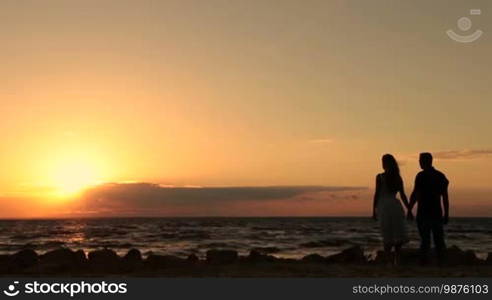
[{"x": 147, "y": 198}]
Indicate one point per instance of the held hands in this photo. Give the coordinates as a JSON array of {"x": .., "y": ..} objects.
[
  {"x": 445, "y": 220},
  {"x": 410, "y": 216}
]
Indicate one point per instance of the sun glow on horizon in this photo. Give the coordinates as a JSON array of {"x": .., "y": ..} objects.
[
  {"x": 73, "y": 178},
  {"x": 71, "y": 174}
]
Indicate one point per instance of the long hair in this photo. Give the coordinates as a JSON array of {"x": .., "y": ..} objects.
[{"x": 392, "y": 173}]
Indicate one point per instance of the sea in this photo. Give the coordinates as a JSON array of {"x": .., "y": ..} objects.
[{"x": 280, "y": 236}]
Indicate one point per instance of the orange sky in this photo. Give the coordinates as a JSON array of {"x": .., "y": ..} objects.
[{"x": 239, "y": 93}]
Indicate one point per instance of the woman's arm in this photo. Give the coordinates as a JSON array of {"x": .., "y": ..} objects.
[
  {"x": 406, "y": 202},
  {"x": 404, "y": 197},
  {"x": 376, "y": 197}
]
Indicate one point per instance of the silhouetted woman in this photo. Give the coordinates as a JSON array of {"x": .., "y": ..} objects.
[{"x": 388, "y": 209}]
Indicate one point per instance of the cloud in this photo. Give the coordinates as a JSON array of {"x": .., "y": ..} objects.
[
  {"x": 450, "y": 155},
  {"x": 147, "y": 199},
  {"x": 462, "y": 154}
]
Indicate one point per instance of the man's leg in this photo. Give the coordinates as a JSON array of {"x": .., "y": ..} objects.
[
  {"x": 438, "y": 235},
  {"x": 425, "y": 239}
]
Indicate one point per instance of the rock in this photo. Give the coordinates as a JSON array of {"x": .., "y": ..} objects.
[
  {"x": 314, "y": 258},
  {"x": 24, "y": 259},
  {"x": 80, "y": 257},
  {"x": 133, "y": 256},
  {"x": 192, "y": 258},
  {"x": 163, "y": 261},
  {"x": 454, "y": 256},
  {"x": 4, "y": 263},
  {"x": 62, "y": 259},
  {"x": 61, "y": 256},
  {"x": 132, "y": 260},
  {"x": 471, "y": 258},
  {"x": 222, "y": 256},
  {"x": 353, "y": 255},
  {"x": 103, "y": 256},
  {"x": 105, "y": 259},
  {"x": 258, "y": 257},
  {"x": 407, "y": 257}
]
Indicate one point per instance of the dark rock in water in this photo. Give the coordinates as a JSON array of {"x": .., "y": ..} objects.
[
  {"x": 351, "y": 255},
  {"x": 132, "y": 260},
  {"x": 163, "y": 261},
  {"x": 258, "y": 257},
  {"x": 471, "y": 258},
  {"x": 314, "y": 258},
  {"x": 133, "y": 256},
  {"x": 407, "y": 257},
  {"x": 454, "y": 256},
  {"x": 62, "y": 259},
  {"x": 24, "y": 259},
  {"x": 4, "y": 263},
  {"x": 192, "y": 258},
  {"x": 105, "y": 259},
  {"x": 101, "y": 256},
  {"x": 80, "y": 257},
  {"x": 62, "y": 255},
  {"x": 222, "y": 256}
]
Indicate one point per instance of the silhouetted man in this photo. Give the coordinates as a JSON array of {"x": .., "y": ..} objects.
[{"x": 431, "y": 186}]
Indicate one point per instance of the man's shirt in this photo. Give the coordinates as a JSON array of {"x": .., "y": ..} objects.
[{"x": 430, "y": 185}]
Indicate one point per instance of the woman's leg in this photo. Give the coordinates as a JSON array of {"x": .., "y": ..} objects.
[
  {"x": 397, "y": 254},
  {"x": 387, "y": 253}
]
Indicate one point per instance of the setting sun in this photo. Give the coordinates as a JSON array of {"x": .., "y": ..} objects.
[
  {"x": 75, "y": 176},
  {"x": 70, "y": 174}
]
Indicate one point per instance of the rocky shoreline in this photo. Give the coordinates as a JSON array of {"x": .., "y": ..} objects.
[{"x": 350, "y": 262}]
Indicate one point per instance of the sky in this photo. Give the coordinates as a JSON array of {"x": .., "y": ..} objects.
[{"x": 228, "y": 94}]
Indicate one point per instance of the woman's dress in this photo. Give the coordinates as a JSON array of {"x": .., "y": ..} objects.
[{"x": 391, "y": 216}]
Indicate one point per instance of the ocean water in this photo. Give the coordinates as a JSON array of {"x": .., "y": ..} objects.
[{"x": 281, "y": 237}]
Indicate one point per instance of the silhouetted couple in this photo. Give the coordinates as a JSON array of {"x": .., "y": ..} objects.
[{"x": 431, "y": 187}]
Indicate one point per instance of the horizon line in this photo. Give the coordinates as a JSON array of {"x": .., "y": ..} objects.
[{"x": 216, "y": 217}]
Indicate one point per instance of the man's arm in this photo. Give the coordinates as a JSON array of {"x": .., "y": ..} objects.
[
  {"x": 413, "y": 200},
  {"x": 445, "y": 202},
  {"x": 414, "y": 195}
]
